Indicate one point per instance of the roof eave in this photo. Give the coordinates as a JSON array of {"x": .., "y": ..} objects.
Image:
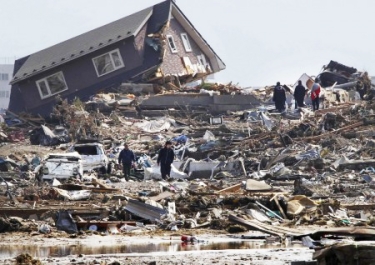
[
  {"x": 217, "y": 63},
  {"x": 143, "y": 23}
]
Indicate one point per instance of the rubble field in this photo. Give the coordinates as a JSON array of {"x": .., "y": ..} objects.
[{"x": 297, "y": 176}]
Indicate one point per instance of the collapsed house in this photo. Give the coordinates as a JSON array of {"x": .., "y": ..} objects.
[
  {"x": 155, "y": 45},
  {"x": 340, "y": 76}
]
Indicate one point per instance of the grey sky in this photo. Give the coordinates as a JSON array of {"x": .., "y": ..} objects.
[{"x": 260, "y": 41}]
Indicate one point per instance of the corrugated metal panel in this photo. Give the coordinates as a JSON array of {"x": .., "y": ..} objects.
[{"x": 145, "y": 211}]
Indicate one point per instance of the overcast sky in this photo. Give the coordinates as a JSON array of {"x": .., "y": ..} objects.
[{"x": 260, "y": 41}]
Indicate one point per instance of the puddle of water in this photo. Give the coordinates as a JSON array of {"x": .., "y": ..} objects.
[{"x": 10, "y": 251}]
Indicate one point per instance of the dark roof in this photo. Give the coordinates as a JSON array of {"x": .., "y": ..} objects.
[
  {"x": 83, "y": 44},
  {"x": 160, "y": 16}
]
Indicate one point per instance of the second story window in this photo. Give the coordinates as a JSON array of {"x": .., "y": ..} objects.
[
  {"x": 186, "y": 42},
  {"x": 172, "y": 44}
]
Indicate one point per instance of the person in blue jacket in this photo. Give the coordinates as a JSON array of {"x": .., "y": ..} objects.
[
  {"x": 126, "y": 158},
  {"x": 165, "y": 160}
]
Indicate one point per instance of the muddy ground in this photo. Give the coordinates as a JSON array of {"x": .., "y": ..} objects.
[{"x": 164, "y": 249}]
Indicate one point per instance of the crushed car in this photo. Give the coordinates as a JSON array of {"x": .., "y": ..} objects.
[
  {"x": 93, "y": 157},
  {"x": 61, "y": 166}
]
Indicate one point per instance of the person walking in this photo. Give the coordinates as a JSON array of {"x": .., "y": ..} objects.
[
  {"x": 165, "y": 160},
  {"x": 315, "y": 92},
  {"x": 279, "y": 97},
  {"x": 299, "y": 94},
  {"x": 126, "y": 158}
]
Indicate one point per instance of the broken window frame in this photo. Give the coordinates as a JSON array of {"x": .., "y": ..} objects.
[
  {"x": 45, "y": 81},
  {"x": 170, "y": 40},
  {"x": 186, "y": 42},
  {"x": 112, "y": 62}
]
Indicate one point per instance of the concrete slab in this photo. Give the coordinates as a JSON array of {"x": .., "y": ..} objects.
[
  {"x": 215, "y": 104},
  {"x": 175, "y": 100},
  {"x": 235, "y": 100}
]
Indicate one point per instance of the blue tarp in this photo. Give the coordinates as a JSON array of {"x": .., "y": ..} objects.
[{"x": 182, "y": 139}]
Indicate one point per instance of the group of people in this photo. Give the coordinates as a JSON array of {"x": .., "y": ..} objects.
[
  {"x": 165, "y": 159},
  {"x": 280, "y": 96}
]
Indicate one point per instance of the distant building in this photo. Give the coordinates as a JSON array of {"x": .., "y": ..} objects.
[{"x": 6, "y": 71}]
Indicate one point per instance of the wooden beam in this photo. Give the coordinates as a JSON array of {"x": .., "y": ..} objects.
[
  {"x": 231, "y": 188},
  {"x": 22, "y": 119},
  {"x": 321, "y": 136},
  {"x": 276, "y": 200},
  {"x": 358, "y": 206}
]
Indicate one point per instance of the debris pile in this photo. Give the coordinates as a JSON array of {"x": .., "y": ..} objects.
[{"x": 299, "y": 174}]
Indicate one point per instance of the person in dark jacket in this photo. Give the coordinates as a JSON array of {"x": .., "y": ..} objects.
[
  {"x": 299, "y": 94},
  {"x": 165, "y": 159},
  {"x": 279, "y": 97},
  {"x": 126, "y": 158}
]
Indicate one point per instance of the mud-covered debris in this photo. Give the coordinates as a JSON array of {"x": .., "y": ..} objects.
[{"x": 27, "y": 259}]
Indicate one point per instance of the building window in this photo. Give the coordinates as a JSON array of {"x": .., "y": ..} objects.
[
  {"x": 186, "y": 42},
  {"x": 108, "y": 62},
  {"x": 4, "y": 94},
  {"x": 172, "y": 44},
  {"x": 51, "y": 85},
  {"x": 202, "y": 60},
  {"x": 4, "y": 77}
]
